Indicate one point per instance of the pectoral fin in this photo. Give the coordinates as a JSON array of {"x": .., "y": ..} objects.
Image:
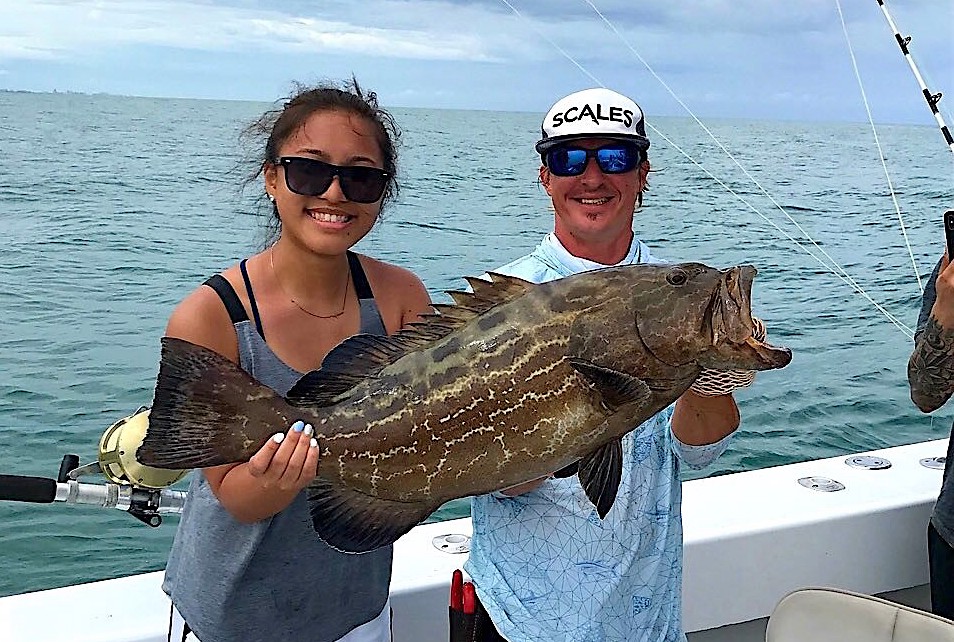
[
  {"x": 601, "y": 470},
  {"x": 354, "y": 522},
  {"x": 617, "y": 388},
  {"x": 600, "y": 473}
]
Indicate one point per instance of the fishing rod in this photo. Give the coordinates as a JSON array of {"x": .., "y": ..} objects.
[
  {"x": 130, "y": 486},
  {"x": 932, "y": 98},
  {"x": 145, "y": 504}
]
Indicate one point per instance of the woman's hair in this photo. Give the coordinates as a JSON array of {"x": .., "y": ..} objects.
[{"x": 276, "y": 126}]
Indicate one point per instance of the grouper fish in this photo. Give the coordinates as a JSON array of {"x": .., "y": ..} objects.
[{"x": 511, "y": 382}]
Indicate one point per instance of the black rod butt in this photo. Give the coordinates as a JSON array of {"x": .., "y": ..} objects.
[{"x": 21, "y": 488}]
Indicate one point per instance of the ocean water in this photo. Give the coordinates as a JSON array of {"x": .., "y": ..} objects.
[{"x": 112, "y": 209}]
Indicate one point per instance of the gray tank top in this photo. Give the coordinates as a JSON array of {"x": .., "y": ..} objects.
[{"x": 275, "y": 579}]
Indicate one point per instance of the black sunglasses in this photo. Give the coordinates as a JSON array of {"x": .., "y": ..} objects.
[
  {"x": 615, "y": 158},
  {"x": 311, "y": 177}
]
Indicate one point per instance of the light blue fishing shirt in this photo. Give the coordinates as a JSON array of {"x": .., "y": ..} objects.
[{"x": 548, "y": 569}]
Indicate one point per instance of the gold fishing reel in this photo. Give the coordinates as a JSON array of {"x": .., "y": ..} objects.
[{"x": 117, "y": 454}]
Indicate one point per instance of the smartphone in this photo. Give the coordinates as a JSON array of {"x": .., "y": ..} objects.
[{"x": 949, "y": 233}]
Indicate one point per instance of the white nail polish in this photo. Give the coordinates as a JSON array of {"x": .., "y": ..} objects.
[
  {"x": 309, "y": 429},
  {"x": 314, "y": 442},
  {"x": 278, "y": 437}
]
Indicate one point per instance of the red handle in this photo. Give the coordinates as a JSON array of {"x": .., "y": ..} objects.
[
  {"x": 457, "y": 591},
  {"x": 470, "y": 598}
]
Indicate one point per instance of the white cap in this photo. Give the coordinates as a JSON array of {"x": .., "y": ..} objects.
[{"x": 593, "y": 113}]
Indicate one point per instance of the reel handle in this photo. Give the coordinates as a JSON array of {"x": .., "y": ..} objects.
[{"x": 68, "y": 465}]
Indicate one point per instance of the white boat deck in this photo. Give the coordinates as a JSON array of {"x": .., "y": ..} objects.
[{"x": 750, "y": 539}]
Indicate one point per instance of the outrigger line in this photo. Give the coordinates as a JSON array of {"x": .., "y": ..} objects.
[
  {"x": 932, "y": 99},
  {"x": 830, "y": 264},
  {"x": 877, "y": 142}
]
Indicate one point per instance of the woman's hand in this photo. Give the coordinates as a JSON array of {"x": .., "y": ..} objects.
[
  {"x": 268, "y": 482},
  {"x": 287, "y": 461}
]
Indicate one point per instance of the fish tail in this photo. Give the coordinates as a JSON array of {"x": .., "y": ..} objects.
[{"x": 207, "y": 411}]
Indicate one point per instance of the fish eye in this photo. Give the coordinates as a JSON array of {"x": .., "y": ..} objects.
[{"x": 677, "y": 277}]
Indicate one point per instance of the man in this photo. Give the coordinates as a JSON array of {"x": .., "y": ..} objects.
[
  {"x": 931, "y": 377},
  {"x": 546, "y": 567}
]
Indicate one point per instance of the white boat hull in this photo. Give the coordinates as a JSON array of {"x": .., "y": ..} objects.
[{"x": 750, "y": 539}]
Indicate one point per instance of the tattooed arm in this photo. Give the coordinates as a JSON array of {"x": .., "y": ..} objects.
[{"x": 931, "y": 366}]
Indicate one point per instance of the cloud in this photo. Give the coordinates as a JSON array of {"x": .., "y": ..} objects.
[
  {"x": 703, "y": 31},
  {"x": 44, "y": 29},
  {"x": 720, "y": 56},
  {"x": 307, "y": 34},
  {"x": 23, "y": 48},
  {"x": 389, "y": 29}
]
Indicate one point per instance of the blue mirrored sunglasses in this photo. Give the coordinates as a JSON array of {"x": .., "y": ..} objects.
[{"x": 615, "y": 158}]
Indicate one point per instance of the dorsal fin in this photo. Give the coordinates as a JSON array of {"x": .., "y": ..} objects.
[
  {"x": 365, "y": 355},
  {"x": 348, "y": 364},
  {"x": 451, "y": 313},
  {"x": 486, "y": 294},
  {"x": 500, "y": 288}
]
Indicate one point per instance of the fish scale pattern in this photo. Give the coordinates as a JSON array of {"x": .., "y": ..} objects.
[{"x": 550, "y": 570}]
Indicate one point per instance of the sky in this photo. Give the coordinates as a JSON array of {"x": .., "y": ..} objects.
[{"x": 766, "y": 59}]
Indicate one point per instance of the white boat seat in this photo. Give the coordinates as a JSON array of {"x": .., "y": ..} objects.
[{"x": 835, "y": 615}]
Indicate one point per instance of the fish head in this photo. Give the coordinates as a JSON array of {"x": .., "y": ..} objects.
[{"x": 694, "y": 313}]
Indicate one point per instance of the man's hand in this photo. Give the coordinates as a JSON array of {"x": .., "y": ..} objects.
[{"x": 943, "y": 310}]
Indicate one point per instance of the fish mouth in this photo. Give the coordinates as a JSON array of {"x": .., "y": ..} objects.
[{"x": 736, "y": 345}]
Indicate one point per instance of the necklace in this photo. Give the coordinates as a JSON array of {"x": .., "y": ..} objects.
[{"x": 344, "y": 300}]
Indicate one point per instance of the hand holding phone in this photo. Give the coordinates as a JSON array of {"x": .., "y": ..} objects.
[{"x": 949, "y": 233}]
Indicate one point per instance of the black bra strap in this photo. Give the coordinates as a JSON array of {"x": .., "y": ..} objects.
[
  {"x": 236, "y": 310},
  {"x": 229, "y": 298},
  {"x": 251, "y": 298},
  {"x": 361, "y": 286}
]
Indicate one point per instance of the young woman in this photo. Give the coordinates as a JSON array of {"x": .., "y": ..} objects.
[{"x": 246, "y": 563}]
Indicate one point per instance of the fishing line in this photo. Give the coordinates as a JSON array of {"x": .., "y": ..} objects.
[
  {"x": 832, "y": 267},
  {"x": 844, "y": 276},
  {"x": 554, "y": 44},
  {"x": 877, "y": 140}
]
